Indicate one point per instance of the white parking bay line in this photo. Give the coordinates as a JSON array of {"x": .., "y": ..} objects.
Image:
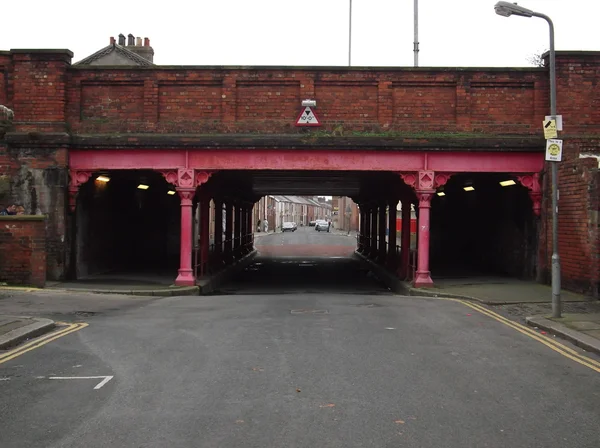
[{"x": 105, "y": 379}]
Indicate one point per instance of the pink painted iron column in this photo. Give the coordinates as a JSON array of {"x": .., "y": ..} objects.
[
  {"x": 405, "y": 245},
  {"x": 204, "y": 232},
  {"x": 423, "y": 277},
  {"x": 381, "y": 231},
  {"x": 391, "y": 252},
  {"x": 373, "y": 245},
  {"x": 186, "y": 276}
]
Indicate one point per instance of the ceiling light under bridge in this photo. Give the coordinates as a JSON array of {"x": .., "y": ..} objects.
[
  {"x": 171, "y": 192},
  {"x": 441, "y": 193},
  {"x": 469, "y": 188},
  {"x": 143, "y": 187},
  {"x": 103, "y": 178},
  {"x": 507, "y": 183}
]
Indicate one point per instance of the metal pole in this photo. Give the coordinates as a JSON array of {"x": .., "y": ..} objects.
[
  {"x": 416, "y": 41},
  {"x": 350, "y": 37},
  {"x": 556, "y": 302}
]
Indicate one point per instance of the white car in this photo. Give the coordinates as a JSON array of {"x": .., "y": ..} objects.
[
  {"x": 288, "y": 227},
  {"x": 321, "y": 225}
]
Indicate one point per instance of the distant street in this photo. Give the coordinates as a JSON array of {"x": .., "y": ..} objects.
[{"x": 298, "y": 351}]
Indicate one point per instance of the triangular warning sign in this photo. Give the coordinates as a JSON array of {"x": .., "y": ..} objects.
[{"x": 308, "y": 117}]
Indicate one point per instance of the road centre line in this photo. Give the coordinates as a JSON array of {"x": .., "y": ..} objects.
[
  {"x": 39, "y": 342},
  {"x": 547, "y": 341}
]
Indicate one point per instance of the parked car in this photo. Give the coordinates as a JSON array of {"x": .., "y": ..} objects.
[
  {"x": 312, "y": 223},
  {"x": 288, "y": 227},
  {"x": 295, "y": 226},
  {"x": 322, "y": 226}
]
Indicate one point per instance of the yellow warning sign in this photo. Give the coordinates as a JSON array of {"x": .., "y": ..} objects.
[{"x": 550, "y": 129}]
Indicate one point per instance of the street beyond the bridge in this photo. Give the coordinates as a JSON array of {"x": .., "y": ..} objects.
[{"x": 283, "y": 362}]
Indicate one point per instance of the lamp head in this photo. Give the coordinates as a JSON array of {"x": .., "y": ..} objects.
[{"x": 507, "y": 9}]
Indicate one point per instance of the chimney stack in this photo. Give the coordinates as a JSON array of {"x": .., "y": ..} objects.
[
  {"x": 142, "y": 48},
  {"x": 130, "y": 40},
  {"x": 121, "y": 40},
  {"x": 112, "y": 40}
]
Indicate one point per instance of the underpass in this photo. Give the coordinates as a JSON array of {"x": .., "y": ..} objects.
[{"x": 305, "y": 261}]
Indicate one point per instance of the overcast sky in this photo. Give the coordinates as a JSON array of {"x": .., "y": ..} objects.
[{"x": 304, "y": 32}]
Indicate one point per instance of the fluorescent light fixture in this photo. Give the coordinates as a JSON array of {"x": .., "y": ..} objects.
[
  {"x": 143, "y": 187},
  {"x": 441, "y": 193},
  {"x": 171, "y": 192},
  {"x": 103, "y": 178},
  {"x": 469, "y": 188},
  {"x": 507, "y": 183}
]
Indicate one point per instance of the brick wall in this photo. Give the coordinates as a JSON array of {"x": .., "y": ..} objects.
[
  {"x": 268, "y": 100},
  {"x": 578, "y": 93},
  {"x": 23, "y": 250}
]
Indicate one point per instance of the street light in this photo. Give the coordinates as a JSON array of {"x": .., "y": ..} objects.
[{"x": 507, "y": 9}]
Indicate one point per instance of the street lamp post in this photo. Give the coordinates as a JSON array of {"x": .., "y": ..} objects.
[
  {"x": 350, "y": 36},
  {"x": 507, "y": 9}
]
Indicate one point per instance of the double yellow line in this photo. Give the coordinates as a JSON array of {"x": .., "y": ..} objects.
[
  {"x": 70, "y": 328},
  {"x": 527, "y": 331}
]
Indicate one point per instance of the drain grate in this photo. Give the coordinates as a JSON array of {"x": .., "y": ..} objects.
[{"x": 309, "y": 311}]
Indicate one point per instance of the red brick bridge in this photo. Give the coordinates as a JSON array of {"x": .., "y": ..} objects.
[{"x": 439, "y": 139}]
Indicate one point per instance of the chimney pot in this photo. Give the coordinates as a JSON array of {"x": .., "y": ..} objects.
[
  {"x": 112, "y": 40},
  {"x": 121, "y": 39},
  {"x": 130, "y": 40},
  {"x": 138, "y": 41},
  {"x": 146, "y": 42}
]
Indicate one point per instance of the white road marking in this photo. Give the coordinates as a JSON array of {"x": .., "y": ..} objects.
[{"x": 105, "y": 379}]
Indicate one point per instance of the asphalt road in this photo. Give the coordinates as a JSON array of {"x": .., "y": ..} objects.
[{"x": 302, "y": 369}]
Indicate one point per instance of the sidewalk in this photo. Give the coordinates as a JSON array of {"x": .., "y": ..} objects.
[
  {"x": 583, "y": 330},
  {"x": 16, "y": 329},
  {"x": 494, "y": 291}
]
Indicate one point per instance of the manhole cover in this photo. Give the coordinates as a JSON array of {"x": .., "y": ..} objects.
[
  {"x": 85, "y": 313},
  {"x": 304, "y": 311}
]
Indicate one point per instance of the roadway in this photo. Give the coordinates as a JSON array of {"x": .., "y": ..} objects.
[{"x": 314, "y": 353}]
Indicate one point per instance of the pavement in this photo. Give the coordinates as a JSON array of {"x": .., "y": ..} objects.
[
  {"x": 300, "y": 350},
  {"x": 17, "y": 329}
]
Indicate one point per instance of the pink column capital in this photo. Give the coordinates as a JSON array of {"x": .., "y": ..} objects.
[
  {"x": 76, "y": 180},
  {"x": 532, "y": 183}
]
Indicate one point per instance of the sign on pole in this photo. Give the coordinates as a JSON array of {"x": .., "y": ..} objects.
[
  {"x": 308, "y": 117},
  {"x": 550, "y": 130},
  {"x": 559, "y": 121},
  {"x": 554, "y": 150}
]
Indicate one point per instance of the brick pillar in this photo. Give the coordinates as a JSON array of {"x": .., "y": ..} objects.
[
  {"x": 38, "y": 81},
  {"x": 391, "y": 255},
  {"x": 382, "y": 227}
]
